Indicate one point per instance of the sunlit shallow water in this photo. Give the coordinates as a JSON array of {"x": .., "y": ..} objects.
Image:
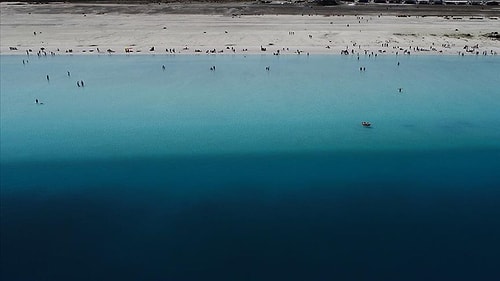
[{"x": 246, "y": 174}]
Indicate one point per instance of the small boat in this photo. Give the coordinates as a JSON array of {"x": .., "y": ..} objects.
[{"x": 366, "y": 124}]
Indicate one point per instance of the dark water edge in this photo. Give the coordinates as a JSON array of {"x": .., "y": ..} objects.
[{"x": 431, "y": 215}]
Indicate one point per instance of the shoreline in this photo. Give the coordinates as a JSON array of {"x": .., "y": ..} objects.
[{"x": 54, "y": 29}]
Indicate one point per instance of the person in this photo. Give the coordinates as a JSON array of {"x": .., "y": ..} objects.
[
  {"x": 400, "y": 90},
  {"x": 78, "y": 83},
  {"x": 81, "y": 82},
  {"x": 163, "y": 67},
  {"x": 69, "y": 74},
  {"x": 48, "y": 79},
  {"x": 36, "y": 101}
]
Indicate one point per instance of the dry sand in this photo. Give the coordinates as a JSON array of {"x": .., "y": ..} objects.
[{"x": 96, "y": 28}]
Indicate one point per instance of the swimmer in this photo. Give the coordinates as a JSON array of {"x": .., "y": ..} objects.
[
  {"x": 78, "y": 84},
  {"x": 48, "y": 78},
  {"x": 163, "y": 67},
  {"x": 69, "y": 74}
]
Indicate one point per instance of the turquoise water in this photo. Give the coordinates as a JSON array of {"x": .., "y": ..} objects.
[{"x": 246, "y": 174}]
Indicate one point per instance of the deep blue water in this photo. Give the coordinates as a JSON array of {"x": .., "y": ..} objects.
[{"x": 277, "y": 192}]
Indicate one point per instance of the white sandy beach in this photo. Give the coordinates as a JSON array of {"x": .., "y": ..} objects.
[{"x": 91, "y": 33}]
